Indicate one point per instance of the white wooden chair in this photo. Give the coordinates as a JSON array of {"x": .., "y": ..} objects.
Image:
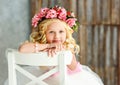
[{"x": 16, "y": 59}]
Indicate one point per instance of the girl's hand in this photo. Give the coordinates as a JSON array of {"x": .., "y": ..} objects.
[{"x": 54, "y": 48}]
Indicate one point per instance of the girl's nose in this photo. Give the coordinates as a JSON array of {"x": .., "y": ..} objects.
[{"x": 57, "y": 35}]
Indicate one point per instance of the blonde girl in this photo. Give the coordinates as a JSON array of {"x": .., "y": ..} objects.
[
  {"x": 60, "y": 42},
  {"x": 54, "y": 28},
  {"x": 40, "y": 37}
]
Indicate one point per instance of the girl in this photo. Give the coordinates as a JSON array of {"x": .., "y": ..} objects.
[{"x": 54, "y": 33}]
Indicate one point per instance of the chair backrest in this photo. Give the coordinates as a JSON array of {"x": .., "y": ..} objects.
[{"x": 15, "y": 58}]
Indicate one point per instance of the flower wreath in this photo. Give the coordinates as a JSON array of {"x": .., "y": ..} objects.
[{"x": 55, "y": 12}]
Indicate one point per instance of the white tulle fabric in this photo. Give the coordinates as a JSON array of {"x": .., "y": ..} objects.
[{"x": 85, "y": 77}]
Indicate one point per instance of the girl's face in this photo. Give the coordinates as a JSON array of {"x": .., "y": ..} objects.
[{"x": 56, "y": 33}]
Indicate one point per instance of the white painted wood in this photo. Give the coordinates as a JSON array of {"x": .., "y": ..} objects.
[
  {"x": 60, "y": 60},
  {"x": 11, "y": 69},
  {"x": 62, "y": 69}
]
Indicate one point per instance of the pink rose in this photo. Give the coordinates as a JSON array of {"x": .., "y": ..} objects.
[
  {"x": 35, "y": 20},
  {"x": 71, "y": 22},
  {"x": 51, "y": 14},
  {"x": 55, "y": 12},
  {"x": 39, "y": 16},
  {"x": 43, "y": 12},
  {"x": 62, "y": 14}
]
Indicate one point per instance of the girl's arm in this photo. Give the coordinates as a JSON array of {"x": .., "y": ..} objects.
[
  {"x": 73, "y": 64},
  {"x": 31, "y": 47}
]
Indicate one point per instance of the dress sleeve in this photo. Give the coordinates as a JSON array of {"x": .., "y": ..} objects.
[
  {"x": 78, "y": 69},
  {"x": 70, "y": 72}
]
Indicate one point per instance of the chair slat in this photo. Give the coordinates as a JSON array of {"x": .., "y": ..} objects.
[{"x": 40, "y": 59}]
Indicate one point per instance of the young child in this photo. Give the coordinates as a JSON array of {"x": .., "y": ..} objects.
[{"x": 54, "y": 28}]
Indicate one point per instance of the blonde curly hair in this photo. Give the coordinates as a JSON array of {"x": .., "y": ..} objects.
[{"x": 40, "y": 37}]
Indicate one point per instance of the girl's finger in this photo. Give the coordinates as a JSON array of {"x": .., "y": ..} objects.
[
  {"x": 49, "y": 52},
  {"x": 61, "y": 47},
  {"x": 54, "y": 52}
]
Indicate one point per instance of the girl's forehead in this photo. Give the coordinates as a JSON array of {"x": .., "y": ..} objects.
[{"x": 57, "y": 25}]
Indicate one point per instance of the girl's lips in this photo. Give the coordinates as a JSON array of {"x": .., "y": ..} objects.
[{"x": 56, "y": 41}]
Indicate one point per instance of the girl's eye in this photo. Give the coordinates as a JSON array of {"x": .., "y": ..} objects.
[
  {"x": 51, "y": 31},
  {"x": 61, "y": 31}
]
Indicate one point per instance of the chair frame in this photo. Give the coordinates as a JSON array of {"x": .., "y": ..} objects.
[{"x": 15, "y": 58}]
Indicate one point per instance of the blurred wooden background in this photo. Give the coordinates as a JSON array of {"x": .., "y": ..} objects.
[{"x": 98, "y": 34}]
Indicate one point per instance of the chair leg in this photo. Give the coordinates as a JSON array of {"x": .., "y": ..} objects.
[
  {"x": 62, "y": 69},
  {"x": 11, "y": 69}
]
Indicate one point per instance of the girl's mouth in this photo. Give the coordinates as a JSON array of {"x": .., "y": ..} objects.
[{"x": 57, "y": 41}]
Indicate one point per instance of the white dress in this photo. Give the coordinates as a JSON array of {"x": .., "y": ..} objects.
[{"x": 85, "y": 77}]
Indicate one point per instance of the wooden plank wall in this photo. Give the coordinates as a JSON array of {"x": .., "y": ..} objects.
[
  {"x": 98, "y": 34},
  {"x": 118, "y": 68},
  {"x": 99, "y": 51}
]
